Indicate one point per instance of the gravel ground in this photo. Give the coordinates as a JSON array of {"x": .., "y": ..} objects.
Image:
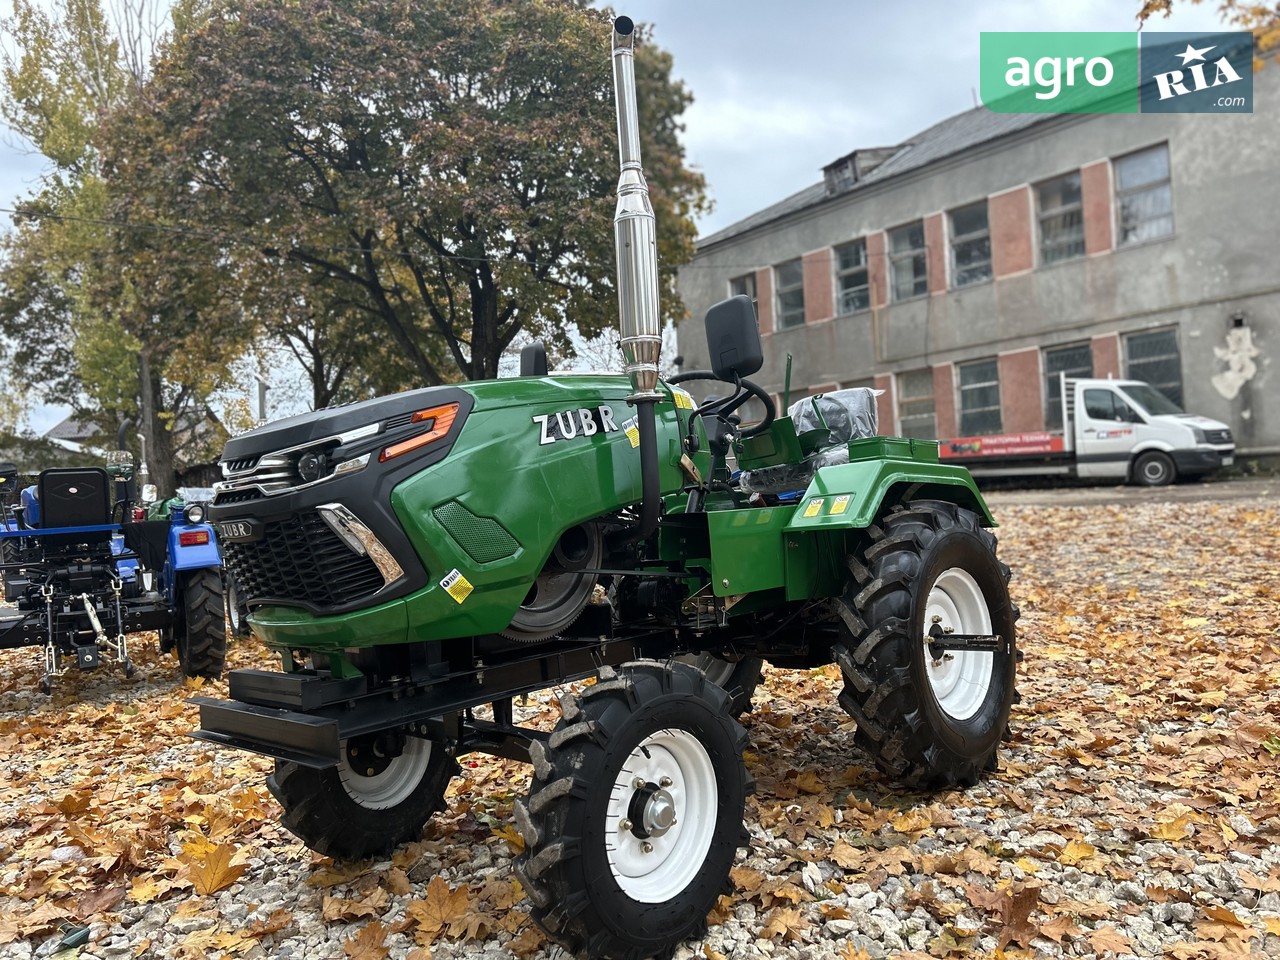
[{"x": 1134, "y": 812}]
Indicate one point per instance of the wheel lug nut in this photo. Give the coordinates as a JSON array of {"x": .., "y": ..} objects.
[
  {"x": 624, "y": 824},
  {"x": 637, "y": 783},
  {"x": 646, "y": 847},
  {"x": 664, "y": 782},
  {"x": 937, "y": 618},
  {"x": 369, "y": 772}
]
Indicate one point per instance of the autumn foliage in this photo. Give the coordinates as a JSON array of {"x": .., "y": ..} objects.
[{"x": 1146, "y": 746}]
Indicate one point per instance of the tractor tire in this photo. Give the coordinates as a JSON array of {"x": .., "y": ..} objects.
[
  {"x": 202, "y": 634},
  {"x": 932, "y": 723},
  {"x": 237, "y": 609},
  {"x": 8, "y": 554},
  {"x": 1154, "y": 469},
  {"x": 348, "y": 813},
  {"x": 634, "y": 813},
  {"x": 739, "y": 678}
]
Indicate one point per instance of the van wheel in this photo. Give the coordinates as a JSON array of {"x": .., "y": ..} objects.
[{"x": 1154, "y": 469}]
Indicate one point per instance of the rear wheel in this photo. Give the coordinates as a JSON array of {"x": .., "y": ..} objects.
[
  {"x": 202, "y": 634},
  {"x": 380, "y": 795},
  {"x": 929, "y": 717},
  {"x": 635, "y": 812},
  {"x": 8, "y": 554},
  {"x": 738, "y": 677},
  {"x": 1154, "y": 469}
]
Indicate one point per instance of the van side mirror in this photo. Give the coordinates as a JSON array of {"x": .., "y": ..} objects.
[{"x": 733, "y": 339}]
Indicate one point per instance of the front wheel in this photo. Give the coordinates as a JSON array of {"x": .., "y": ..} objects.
[
  {"x": 381, "y": 794},
  {"x": 1154, "y": 469},
  {"x": 635, "y": 812},
  {"x": 202, "y": 634},
  {"x": 929, "y": 711},
  {"x": 738, "y": 677}
]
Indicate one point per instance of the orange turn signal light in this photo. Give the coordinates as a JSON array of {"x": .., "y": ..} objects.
[{"x": 439, "y": 419}]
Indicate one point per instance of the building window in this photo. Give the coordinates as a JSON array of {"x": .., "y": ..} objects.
[
  {"x": 1144, "y": 195},
  {"x": 915, "y": 405},
  {"x": 908, "y": 266},
  {"x": 1073, "y": 360},
  {"x": 970, "y": 245},
  {"x": 1154, "y": 358},
  {"x": 1061, "y": 216},
  {"x": 788, "y": 280},
  {"x": 851, "y": 277},
  {"x": 979, "y": 398},
  {"x": 744, "y": 286}
]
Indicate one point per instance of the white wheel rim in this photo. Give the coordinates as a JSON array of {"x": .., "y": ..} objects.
[
  {"x": 389, "y": 786},
  {"x": 657, "y": 868},
  {"x": 960, "y": 679}
]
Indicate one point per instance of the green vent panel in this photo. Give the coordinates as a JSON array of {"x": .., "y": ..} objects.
[{"x": 484, "y": 539}]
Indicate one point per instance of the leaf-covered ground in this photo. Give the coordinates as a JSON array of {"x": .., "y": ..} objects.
[{"x": 1135, "y": 811}]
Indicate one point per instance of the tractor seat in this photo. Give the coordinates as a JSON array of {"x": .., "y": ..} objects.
[{"x": 74, "y": 497}]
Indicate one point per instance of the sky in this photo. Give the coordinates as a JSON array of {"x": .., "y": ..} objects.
[{"x": 783, "y": 88}]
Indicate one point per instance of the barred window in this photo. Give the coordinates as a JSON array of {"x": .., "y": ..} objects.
[
  {"x": 1154, "y": 357},
  {"x": 1144, "y": 196},
  {"x": 788, "y": 279},
  {"x": 908, "y": 263},
  {"x": 851, "y": 277},
  {"x": 915, "y": 404},
  {"x": 1060, "y": 213},
  {"x": 970, "y": 245},
  {"x": 979, "y": 398},
  {"x": 1074, "y": 360}
]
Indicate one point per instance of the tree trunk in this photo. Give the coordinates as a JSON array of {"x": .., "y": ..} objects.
[{"x": 158, "y": 441}]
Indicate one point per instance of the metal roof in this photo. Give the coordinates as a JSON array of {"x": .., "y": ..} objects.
[{"x": 947, "y": 138}]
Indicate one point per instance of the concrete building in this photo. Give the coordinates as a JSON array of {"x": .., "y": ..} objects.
[{"x": 962, "y": 270}]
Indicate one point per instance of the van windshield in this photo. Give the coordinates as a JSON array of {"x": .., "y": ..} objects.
[{"x": 1150, "y": 399}]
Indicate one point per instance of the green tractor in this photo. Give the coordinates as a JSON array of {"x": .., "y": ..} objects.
[{"x": 417, "y": 556}]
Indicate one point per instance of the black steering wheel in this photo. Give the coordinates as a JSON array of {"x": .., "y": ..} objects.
[{"x": 722, "y": 408}]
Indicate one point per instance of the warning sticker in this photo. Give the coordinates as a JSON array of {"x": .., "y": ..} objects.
[
  {"x": 633, "y": 434},
  {"x": 456, "y": 585},
  {"x": 813, "y": 508},
  {"x": 683, "y": 399},
  {"x": 840, "y": 505}
]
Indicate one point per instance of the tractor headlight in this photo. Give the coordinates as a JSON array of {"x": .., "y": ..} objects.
[{"x": 194, "y": 513}]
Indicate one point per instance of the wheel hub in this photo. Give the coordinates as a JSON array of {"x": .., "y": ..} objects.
[{"x": 652, "y": 811}]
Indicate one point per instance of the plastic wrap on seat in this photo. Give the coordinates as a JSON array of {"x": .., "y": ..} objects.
[{"x": 846, "y": 414}]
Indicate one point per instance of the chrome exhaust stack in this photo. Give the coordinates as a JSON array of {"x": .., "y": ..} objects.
[
  {"x": 634, "y": 231},
  {"x": 636, "y": 249}
]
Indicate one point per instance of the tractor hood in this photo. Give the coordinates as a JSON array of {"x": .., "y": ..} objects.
[{"x": 334, "y": 422}]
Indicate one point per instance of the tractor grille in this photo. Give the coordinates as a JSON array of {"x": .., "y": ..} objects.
[
  {"x": 302, "y": 559},
  {"x": 1217, "y": 436}
]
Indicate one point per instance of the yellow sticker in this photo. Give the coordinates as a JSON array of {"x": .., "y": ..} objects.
[
  {"x": 633, "y": 434},
  {"x": 814, "y": 508},
  {"x": 457, "y": 586},
  {"x": 840, "y": 505},
  {"x": 682, "y": 399}
]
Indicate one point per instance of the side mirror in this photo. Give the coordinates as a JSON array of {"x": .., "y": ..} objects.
[
  {"x": 733, "y": 339},
  {"x": 149, "y": 493}
]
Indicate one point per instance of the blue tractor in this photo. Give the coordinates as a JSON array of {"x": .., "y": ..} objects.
[{"x": 84, "y": 567}]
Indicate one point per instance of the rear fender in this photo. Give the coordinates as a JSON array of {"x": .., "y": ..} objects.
[
  {"x": 849, "y": 496},
  {"x": 194, "y": 556}
]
